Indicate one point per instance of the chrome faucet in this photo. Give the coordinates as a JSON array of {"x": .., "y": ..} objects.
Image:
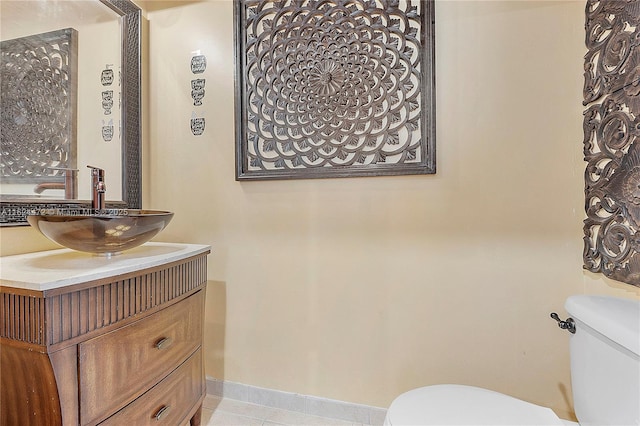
[
  {"x": 98, "y": 188},
  {"x": 70, "y": 184}
]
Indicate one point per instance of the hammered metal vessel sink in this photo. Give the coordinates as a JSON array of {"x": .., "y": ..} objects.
[{"x": 103, "y": 233}]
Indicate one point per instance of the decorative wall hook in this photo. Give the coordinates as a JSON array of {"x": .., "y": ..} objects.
[
  {"x": 197, "y": 91},
  {"x": 107, "y": 130},
  {"x": 197, "y": 125},
  {"x": 198, "y": 64},
  {"x": 107, "y": 101},
  {"x": 106, "y": 77}
]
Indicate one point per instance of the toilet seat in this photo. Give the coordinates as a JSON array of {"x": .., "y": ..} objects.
[{"x": 465, "y": 405}]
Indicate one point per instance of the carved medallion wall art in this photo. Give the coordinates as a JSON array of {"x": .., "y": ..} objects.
[
  {"x": 612, "y": 139},
  {"x": 334, "y": 88},
  {"x": 38, "y": 103}
]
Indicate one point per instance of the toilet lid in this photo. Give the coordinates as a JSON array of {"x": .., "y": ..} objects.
[{"x": 465, "y": 405}]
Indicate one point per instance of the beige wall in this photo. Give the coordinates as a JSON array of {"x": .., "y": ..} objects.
[{"x": 360, "y": 289}]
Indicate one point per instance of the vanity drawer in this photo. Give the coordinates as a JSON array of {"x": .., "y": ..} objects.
[
  {"x": 117, "y": 367},
  {"x": 169, "y": 402}
]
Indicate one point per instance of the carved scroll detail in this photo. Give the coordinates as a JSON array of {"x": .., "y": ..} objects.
[
  {"x": 38, "y": 105},
  {"x": 334, "y": 84},
  {"x": 612, "y": 139}
]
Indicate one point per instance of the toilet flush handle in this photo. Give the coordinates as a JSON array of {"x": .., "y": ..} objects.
[{"x": 568, "y": 325}]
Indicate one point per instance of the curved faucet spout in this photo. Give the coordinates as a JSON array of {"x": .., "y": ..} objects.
[
  {"x": 70, "y": 184},
  {"x": 41, "y": 187}
]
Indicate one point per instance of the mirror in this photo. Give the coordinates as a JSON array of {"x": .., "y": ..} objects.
[{"x": 105, "y": 119}]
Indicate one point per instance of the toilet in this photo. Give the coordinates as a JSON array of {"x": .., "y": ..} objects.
[{"x": 605, "y": 377}]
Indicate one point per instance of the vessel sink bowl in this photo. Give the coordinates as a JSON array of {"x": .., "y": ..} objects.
[{"x": 102, "y": 233}]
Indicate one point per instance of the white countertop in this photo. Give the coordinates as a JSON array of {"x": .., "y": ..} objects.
[{"x": 46, "y": 270}]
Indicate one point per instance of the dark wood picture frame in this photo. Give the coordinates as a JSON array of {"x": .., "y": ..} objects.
[{"x": 333, "y": 89}]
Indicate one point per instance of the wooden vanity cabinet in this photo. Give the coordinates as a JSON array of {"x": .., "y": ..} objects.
[{"x": 122, "y": 350}]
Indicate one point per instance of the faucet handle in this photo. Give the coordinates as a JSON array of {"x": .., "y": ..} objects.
[
  {"x": 65, "y": 169},
  {"x": 96, "y": 171},
  {"x": 568, "y": 325}
]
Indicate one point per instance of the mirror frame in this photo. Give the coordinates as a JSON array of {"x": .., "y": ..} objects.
[{"x": 14, "y": 212}]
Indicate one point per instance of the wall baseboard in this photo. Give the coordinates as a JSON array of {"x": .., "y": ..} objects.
[{"x": 306, "y": 404}]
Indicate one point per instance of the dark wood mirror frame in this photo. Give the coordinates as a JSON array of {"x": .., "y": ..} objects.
[{"x": 14, "y": 212}]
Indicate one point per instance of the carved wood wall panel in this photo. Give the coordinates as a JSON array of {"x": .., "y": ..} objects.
[
  {"x": 334, "y": 88},
  {"x": 39, "y": 84},
  {"x": 612, "y": 139}
]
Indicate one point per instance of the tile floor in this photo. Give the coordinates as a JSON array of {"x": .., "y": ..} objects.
[{"x": 229, "y": 412}]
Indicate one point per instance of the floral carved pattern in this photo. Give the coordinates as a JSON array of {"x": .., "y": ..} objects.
[
  {"x": 334, "y": 88},
  {"x": 612, "y": 139},
  {"x": 38, "y": 105}
]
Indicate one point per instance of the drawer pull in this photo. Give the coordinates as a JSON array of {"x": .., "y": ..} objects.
[
  {"x": 164, "y": 343},
  {"x": 162, "y": 412}
]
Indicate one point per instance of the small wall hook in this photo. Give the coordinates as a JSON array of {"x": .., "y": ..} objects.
[{"x": 568, "y": 325}]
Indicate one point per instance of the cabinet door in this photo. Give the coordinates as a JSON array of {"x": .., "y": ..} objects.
[{"x": 118, "y": 367}]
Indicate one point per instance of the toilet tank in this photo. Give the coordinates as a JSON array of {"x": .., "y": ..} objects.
[{"x": 605, "y": 360}]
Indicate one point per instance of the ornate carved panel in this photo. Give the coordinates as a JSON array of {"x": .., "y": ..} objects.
[
  {"x": 612, "y": 139},
  {"x": 38, "y": 78},
  {"x": 334, "y": 88}
]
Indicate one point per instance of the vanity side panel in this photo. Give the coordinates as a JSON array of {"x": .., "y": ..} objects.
[
  {"x": 203, "y": 302},
  {"x": 28, "y": 390},
  {"x": 65, "y": 368}
]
